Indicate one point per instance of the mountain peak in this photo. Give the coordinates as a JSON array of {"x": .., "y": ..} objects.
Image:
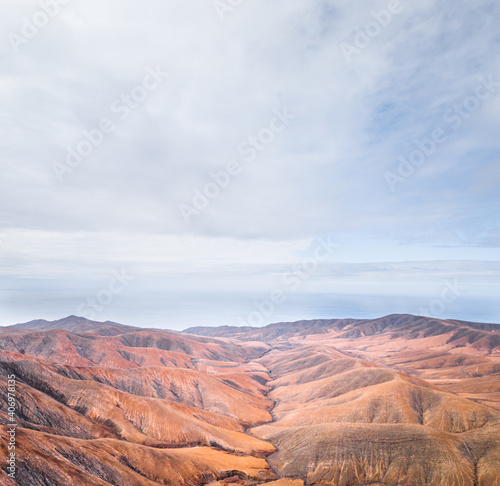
[{"x": 74, "y": 324}]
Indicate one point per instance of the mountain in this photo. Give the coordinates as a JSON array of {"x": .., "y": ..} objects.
[
  {"x": 73, "y": 324},
  {"x": 400, "y": 400},
  {"x": 354, "y": 328}
]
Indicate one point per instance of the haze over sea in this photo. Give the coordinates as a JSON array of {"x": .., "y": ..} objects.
[{"x": 182, "y": 310}]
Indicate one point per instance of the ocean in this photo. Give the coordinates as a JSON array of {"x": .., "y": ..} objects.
[{"x": 182, "y": 310}]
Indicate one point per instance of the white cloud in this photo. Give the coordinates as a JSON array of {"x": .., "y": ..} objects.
[{"x": 323, "y": 175}]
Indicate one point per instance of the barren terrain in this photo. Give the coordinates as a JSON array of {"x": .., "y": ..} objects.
[{"x": 400, "y": 400}]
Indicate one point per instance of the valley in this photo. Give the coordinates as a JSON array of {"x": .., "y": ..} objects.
[{"x": 400, "y": 400}]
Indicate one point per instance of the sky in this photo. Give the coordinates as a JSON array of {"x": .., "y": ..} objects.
[{"x": 157, "y": 156}]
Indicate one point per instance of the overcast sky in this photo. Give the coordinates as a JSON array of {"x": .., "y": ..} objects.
[{"x": 202, "y": 146}]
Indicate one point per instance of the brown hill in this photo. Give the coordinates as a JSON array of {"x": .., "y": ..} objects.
[
  {"x": 348, "y": 421},
  {"x": 72, "y": 324},
  {"x": 46, "y": 459},
  {"x": 395, "y": 401},
  {"x": 396, "y": 324}
]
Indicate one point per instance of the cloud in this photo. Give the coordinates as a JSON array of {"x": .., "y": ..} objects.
[{"x": 324, "y": 174}]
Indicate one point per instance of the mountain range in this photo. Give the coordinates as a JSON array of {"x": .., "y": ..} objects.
[{"x": 396, "y": 401}]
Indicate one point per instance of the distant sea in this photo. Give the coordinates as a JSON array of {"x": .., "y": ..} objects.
[{"x": 183, "y": 310}]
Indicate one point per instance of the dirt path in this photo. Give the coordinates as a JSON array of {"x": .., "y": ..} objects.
[
  {"x": 202, "y": 361},
  {"x": 195, "y": 361},
  {"x": 273, "y": 417}
]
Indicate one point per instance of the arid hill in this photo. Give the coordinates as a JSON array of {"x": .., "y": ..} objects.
[{"x": 395, "y": 401}]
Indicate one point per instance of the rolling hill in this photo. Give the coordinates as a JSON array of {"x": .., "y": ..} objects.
[{"x": 395, "y": 401}]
